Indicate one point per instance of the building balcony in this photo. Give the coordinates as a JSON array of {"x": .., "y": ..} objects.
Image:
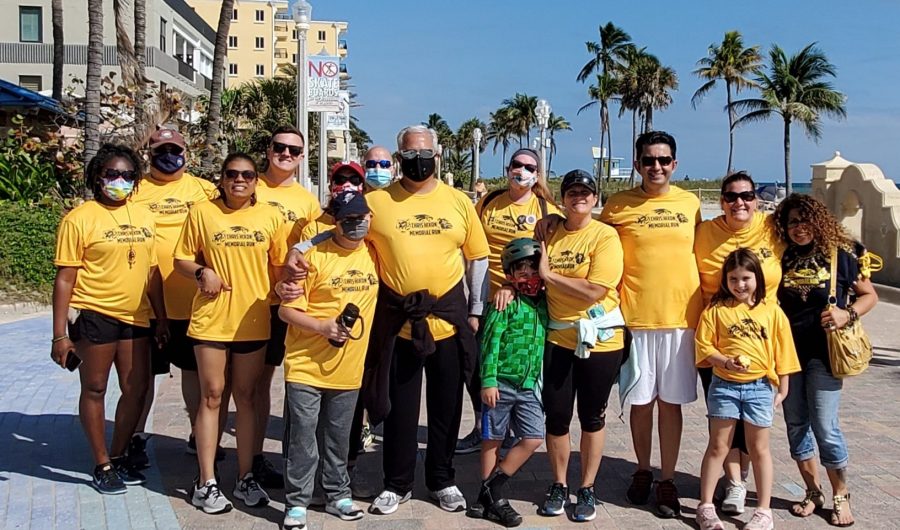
[
  {"x": 281, "y": 26},
  {"x": 342, "y": 44},
  {"x": 281, "y": 53},
  {"x": 283, "y": 15}
]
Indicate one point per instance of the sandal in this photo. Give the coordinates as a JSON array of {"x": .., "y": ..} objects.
[
  {"x": 814, "y": 497},
  {"x": 839, "y": 500}
]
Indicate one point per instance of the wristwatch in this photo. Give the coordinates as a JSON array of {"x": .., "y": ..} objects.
[{"x": 199, "y": 273}]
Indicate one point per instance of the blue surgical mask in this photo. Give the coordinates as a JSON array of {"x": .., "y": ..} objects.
[
  {"x": 378, "y": 177},
  {"x": 167, "y": 163},
  {"x": 117, "y": 189}
]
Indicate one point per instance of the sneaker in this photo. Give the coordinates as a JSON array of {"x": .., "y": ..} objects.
[
  {"x": 191, "y": 449},
  {"x": 387, "y": 502},
  {"x": 556, "y": 500},
  {"x": 266, "y": 474},
  {"x": 294, "y": 519},
  {"x": 359, "y": 486},
  {"x": 501, "y": 512},
  {"x": 667, "y": 504},
  {"x": 470, "y": 444},
  {"x": 107, "y": 481},
  {"x": 707, "y": 518},
  {"x": 248, "y": 490},
  {"x": 137, "y": 453},
  {"x": 735, "y": 495},
  {"x": 130, "y": 476},
  {"x": 209, "y": 498},
  {"x": 346, "y": 509},
  {"x": 450, "y": 499},
  {"x": 366, "y": 438},
  {"x": 585, "y": 505},
  {"x": 761, "y": 520},
  {"x": 640, "y": 488}
]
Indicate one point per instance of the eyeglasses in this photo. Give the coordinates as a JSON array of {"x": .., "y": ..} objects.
[
  {"x": 515, "y": 164},
  {"x": 343, "y": 178},
  {"x": 797, "y": 223},
  {"x": 733, "y": 196},
  {"x": 248, "y": 174},
  {"x": 409, "y": 154},
  {"x": 294, "y": 150},
  {"x": 168, "y": 148},
  {"x": 383, "y": 164},
  {"x": 127, "y": 174},
  {"x": 650, "y": 161}
]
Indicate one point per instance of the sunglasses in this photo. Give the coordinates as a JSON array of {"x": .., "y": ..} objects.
[
  {"x": 127, "y": 174},
  {"x": 168, "y": 148},
  {"x": 796, "y": 223},
  {"x": 650, "y": 161},
  {"x": 294, "y": 150},
  {"x": 515, "y": 164},
  {"x": 343, "y": 178},
  {"x": 248, "y": 174},
  {"x": 733, "y": 196},
  {"x": 410, "y": 154},
  {"x": 383, "y": 164}
]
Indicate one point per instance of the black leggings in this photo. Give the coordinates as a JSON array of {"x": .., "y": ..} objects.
[
  {"x": 591, "y": 380},
  {"x": 738, "y": 441}
]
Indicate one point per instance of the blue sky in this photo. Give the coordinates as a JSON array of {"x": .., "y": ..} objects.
[{"x": 460, "y": 59}]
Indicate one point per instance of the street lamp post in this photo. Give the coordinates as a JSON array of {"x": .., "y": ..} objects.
[
  {"x": 476, "y": 156},
  {"x": 302, "y": 16},
  {"x": 543, "y": 118}
]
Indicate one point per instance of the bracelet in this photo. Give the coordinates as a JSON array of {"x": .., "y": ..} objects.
[
  {"x": 54, "y": 340},
  {"x": 854, "y": 316},
  {"x": 198, "y": 274}
]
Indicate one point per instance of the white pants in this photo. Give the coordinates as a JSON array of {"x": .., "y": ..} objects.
[{"x": 666, "y": 360}]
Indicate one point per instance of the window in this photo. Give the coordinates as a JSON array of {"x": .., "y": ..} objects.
[
  {"x": 162, "y": 35},
  {"x": 31, "y": 82},
  {"x": 260, "y": 70},
  {"x": 232, "y": 41},
  {"x": 260, "y": 43},
  {"x": 321, "y": 35},
  {"x": 294, "y": 58},
  {"x": 232, "y": 69},
  {"x": 234, "y": 15},
  {"x": 30, "y": 24},
  {"x": 294, "y": 35},
  {"x": 260, "y": 15}
]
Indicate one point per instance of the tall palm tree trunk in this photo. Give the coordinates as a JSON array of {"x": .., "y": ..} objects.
[
  {"x": 730, "y": 128},
  {"x": 602, "y": 136},
  {"x": 140, "y": 52},
  {"x": 215, "y": 95},
  {"x": 59, "y": 48},
  {"x": 124, "y": 47},
  {"x": 648, "y": 119},
  {"x": 634, "y": 120},
  {"x": 788, "y": 185},
  {"x": 92, "y": 82},
  {"x": 608, "y": 148},
  {"x": 550, "y": 156}
]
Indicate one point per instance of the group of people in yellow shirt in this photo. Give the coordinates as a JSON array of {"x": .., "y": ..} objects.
[{"x": 229, "y": 281}]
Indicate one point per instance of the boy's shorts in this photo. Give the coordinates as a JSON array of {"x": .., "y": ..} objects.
[
  {"x": 517, "y": 406},
  {"x": 752, "y": 402}
]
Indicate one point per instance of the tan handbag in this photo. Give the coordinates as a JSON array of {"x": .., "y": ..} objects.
[{"x": 849, "y": 348}]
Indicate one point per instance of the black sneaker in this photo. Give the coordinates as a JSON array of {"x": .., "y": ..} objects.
[
  {"x": 585, "y": 505},
  {"x": 107, "y": 481},
  {"x": 130, "y": 476},
  {"x": 265, "y": 473},
  {"x": 641, "y": 486},
  {"x": 556, "y": 500},
  {"x": 191, "y": 449},
  {"x": 137, "y": 453},
  {"x": 667, "y": 504},
  {"x": 476, "y": 509},
  {"x": 501, "y": 512}
]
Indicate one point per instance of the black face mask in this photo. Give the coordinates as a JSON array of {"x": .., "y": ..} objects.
[{"x": 417, "y": 169}]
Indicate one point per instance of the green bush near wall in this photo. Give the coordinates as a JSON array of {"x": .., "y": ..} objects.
[{"x": 27, "y": 245}]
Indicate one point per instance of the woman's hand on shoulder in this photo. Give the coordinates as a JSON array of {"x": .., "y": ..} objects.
[
  {"x": 546, "y": 227},
  {"x": 503, "y": 297}
]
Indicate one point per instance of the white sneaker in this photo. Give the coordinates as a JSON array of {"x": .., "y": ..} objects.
[
  {"x": 294, "y": 518},
  {"x": 249, "y": 491},
  {"x": 450, "y": 499},
  {"x": 387, "y": 502},
  {"x": 209, "y": 498},
  {"x": 735, "y": 496},
  {"x": 346, "y": 509},
  {"x": 359, "y": 486}
]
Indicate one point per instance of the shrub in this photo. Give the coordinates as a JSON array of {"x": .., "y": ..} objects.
[{"x": 27, "y": 245}]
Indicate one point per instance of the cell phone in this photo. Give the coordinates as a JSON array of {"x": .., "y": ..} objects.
[{"x": 72, "y": 361}]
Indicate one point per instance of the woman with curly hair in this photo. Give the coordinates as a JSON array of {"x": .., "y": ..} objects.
[{"x": 814, "y": 237}]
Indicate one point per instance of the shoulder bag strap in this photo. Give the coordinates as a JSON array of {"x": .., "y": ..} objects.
[{"x": 832, "y": 291}]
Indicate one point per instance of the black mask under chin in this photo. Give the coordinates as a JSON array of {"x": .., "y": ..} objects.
[{"x": 418, "y": 168}]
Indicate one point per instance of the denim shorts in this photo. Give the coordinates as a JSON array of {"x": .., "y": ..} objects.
[
  {"x": 519, "y": 407},
  {"x": 752, "y": 402}
]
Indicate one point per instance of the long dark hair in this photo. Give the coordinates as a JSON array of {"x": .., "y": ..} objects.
[
  {"x": 742, "y": 258},
  {"x": 229, "y": 159},
  {"x": 107, "y": 152},
  {"x": 828, "y": 233}
]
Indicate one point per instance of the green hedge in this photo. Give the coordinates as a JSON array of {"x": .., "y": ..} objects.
[{"x": 27, "y": 244}]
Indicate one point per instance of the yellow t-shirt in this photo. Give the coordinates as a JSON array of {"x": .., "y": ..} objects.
[
  {"x": 169, "y": 202},
  {"x": 503, "y": 221},
  {"x": 594, "y": 253},
  {"x": 418, "y": 238},
  {"x": 337, "y": 276},
  {"x": 660, "y": 286},
  {"x": 714, "y": 241},
  {"x": 323, "y": 223},
  {"x": 239, "y": 245},
  {"x": 101, "y": 241},
  {"x": 762, "y": 333}
]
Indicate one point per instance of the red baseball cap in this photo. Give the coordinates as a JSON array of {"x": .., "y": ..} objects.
[
  {"x": 353, "y": 166},
  {"x": 166, "y": 136}
]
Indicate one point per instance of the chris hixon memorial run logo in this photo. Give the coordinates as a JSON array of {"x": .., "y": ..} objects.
[
  {"x": 423, "y": 225},
  {"x": 507, "y": 224},
  {"x": 354, "y": 281},
  {"x": 128, "y": 234},
  {"x": 170, "y": 206},
  {"x": 663, "y": 218},
  {"x": 239, "y": 236}
]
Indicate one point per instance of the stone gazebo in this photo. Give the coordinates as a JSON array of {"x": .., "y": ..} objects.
[{"x": 868, "y": 204}]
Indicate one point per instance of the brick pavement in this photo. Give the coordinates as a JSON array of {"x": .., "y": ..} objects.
[{"x": 44, "y": 461}]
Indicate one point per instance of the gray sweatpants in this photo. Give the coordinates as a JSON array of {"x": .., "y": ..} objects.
[{"x": 328, "y": 414}]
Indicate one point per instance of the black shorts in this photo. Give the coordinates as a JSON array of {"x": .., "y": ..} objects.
[
  {"x": 238, "y": 346},
  {"x": 275, "y": 348},
  {"x": 178, "y": 351},
  {"x": 101, "y": 329}
]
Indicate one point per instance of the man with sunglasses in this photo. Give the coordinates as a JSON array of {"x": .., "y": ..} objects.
[
  {"x": 660, "y": 293},
  {"x": 379, "y": 167},
  {"x": 169, "y": 192},
  {"x": 278, "y": 188}
]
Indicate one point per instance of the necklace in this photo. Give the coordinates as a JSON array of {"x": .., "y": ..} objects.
[{"x": 132, "y": 255}]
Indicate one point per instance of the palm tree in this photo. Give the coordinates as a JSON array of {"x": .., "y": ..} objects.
[
  {"x": 657, "y": 81},
  {"x": 795, "y": 89},
  {"x": 732, "y": 63},
  {"x": 606, "y": 58},
  {"x": 637, "y": 61},
  {"x": 124, "y": 47},
  {"x": 444, "y": 133},
  {"x": 556, "y": 123},
  {"x": 59, "y": 47},
  {"x": 92, "y": 82},
  {"x": 521, "y": 115},
  {"x": 604, "y": 91},
  {"x": 140, "y": 52},
  {"x": 499, "y": 132},
  {"x": 215, "y": 94},
  {"x": 465, "y": 139}
]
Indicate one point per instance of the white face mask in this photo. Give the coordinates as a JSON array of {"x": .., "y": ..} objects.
[{"x": 525, "y": 179}]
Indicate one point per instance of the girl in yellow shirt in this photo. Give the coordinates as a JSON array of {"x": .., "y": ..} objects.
[{"x": 747, "y": 340}]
